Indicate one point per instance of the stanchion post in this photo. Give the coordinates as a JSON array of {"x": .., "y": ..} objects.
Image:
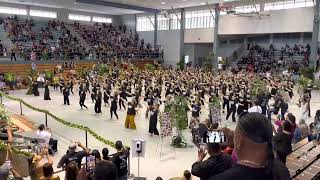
[
  {"x": 1, "y": 98},
  {"x": 21, "y": 108},
  {"x": 86, "y": 139},
  {"x": 46, "y": 120}
]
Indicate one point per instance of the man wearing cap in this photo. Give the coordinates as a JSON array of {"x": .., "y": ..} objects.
[
  {"x": 73, "y": 155},
  {"x": 120, "y": 160}
]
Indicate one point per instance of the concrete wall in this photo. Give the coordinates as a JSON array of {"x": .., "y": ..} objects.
[
  {"x": 280, "y": 21},
  {"x": 169, "y": 41},
  {"x": 198, "y": 36}
]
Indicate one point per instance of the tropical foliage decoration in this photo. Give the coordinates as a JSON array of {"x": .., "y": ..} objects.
[
  {"x": 303, "y": 82},
  {"x": 258, "y": 86},
  {"x": 4, "y": 114},
  {"x": 48, "y": 75},
  {"x": 178, "y": 113},
  {"x": 208, "y": 61},
  {"x": 150, "y": 67},
  {"x": 102, "y": 69},
  {"x": 307, "y": 72},
  {"x": 64, "y": 122},
  {"x": 9, "y": 77}
]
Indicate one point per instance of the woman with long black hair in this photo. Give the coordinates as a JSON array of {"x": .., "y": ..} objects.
[
  {"x": 114, "y": 106},
  {"x": 46, "y": 91}
]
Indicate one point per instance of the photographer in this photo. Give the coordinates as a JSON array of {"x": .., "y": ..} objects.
[
  {"x": 120, "y": 160},
  {"x": 73, "y": 155},
  {"x": 215, "y": 164}
]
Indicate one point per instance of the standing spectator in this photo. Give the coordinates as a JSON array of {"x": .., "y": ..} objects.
[
  {"x": 282, "y": 142},
  {"x": 73, "y": 155},
  {"x": 72, "y": 171},
  {"x": 254, "y": 151},
  {"x": 120, "y": 160},
  {"x": 13, "y": 54},
  {"x": 105, "y": 170},
  {"x": 48, "y": 173},
  {"x": 215, "y": 164}
]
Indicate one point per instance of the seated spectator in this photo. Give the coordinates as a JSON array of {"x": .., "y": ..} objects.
[
  {"x": 215, "y": 164},
  {"x": 48, "y": 173},
  {"x": 120, "y": 160},
  {"x": 304, "y": 128},
  {"x": 105, "y": 170},
  {"x": 254, "y": 151},
  {"x": 73, "y": 155},
  {"x": 44, "y": 134}
]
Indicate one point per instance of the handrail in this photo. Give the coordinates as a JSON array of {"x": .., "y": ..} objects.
[{"x": 60, "y": 120}]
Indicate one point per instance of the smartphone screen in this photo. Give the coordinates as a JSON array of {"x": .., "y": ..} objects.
[
  {"x": 216, "y": 137},
  {"x": 90, "y": 162}
]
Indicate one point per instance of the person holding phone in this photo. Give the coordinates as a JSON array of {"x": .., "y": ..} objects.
[{"x": 215, "y": 164}]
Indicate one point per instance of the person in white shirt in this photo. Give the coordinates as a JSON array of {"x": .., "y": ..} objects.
[{"x": 44, "y": 134}]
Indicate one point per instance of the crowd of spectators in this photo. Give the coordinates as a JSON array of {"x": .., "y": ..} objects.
[
  {"x": 260, "y": 59},
  {"x": 44, "y": 44},
  {"x": 108, "y": 42}
]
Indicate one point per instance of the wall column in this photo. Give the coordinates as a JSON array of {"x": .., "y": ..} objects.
[
  {"x": 182, "y": 29},
  {"x": 155, "y": 36},
  {"x": 215, "y": 38},
  {"x": 315, "y": 35}
]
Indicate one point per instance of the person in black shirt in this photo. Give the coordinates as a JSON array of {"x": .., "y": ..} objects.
[
  {"x": 73, "y": 155},
  {"x": 215, "y": 164},
  {"x": 153, "y": 120},
  {"x": 123, "y": 98},
  {"x": 252, "y": 140},
  {"x": 232, "y": 107},
  {"x": 66, "y": 93},
  {"x": 114, "y": 106},
  {"x": 196, "y": 108},
  {"x": 120, "y": 160},
  {"x": 82, "y": 95},
  {"x": 13, "y": 54},
  {"x": 282, "y": 142},
  {"x": 97, "y": 106}
]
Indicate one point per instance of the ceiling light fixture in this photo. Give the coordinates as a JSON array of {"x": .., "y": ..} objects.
[
  {"x": 163, "y": 3},
  {"x": 203, "y": 3}
]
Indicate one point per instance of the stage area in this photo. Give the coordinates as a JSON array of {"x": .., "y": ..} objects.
[{"x": 172, "y": 163}]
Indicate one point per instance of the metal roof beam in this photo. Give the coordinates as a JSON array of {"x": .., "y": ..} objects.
[{"x": 118, "y": 5}]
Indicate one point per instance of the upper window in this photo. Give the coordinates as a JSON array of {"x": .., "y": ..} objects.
[
  {"x": 163, "y": 23},
  {"x": 10, "y": 10},
  {"x": 78, "y": 17},
  {"x": 145, "y": 23},
  {"x": 47, "y": 14},
  {"x": 101, "y": 19},
  {"x": 288, "y": 4},
  {"x": 199, "y": 19}
]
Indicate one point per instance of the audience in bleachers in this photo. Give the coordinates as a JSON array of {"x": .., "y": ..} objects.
[
  {"x": 108, "y": 41},
  {"x": 260, "y": 59}
]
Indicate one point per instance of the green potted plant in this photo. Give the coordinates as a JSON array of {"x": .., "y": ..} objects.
[
  {"x": 4, "y": 115},
  {"x": 48, "y": 75},
  {"x": 208, "y": 61},
  {"x": 102, "y": 69},
  {"x": 10, "y": 78},
  {"x": 178, "y": 113}
]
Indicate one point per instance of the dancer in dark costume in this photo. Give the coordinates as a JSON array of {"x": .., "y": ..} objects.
[
  {"x": 35, "y": 90},
  {"x": 46, "y": 91},
  {"x": 153, "y": 120},
  {"x": 82, "y": 95},
  {"x": 97, "y": 106}
]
